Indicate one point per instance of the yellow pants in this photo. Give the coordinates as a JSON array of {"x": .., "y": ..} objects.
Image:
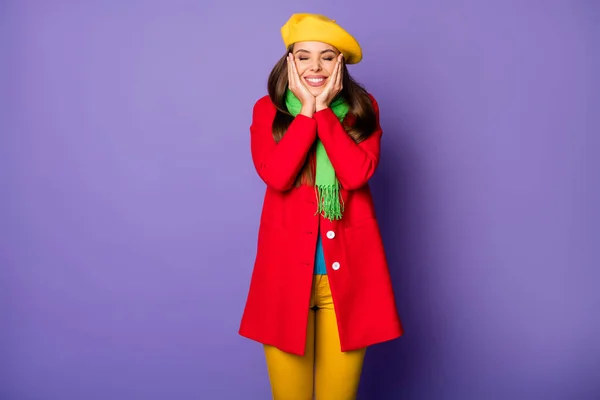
[{"x": 324, "y": 369}]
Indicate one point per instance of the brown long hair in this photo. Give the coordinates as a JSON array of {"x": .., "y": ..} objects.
[{"x": 360, "y": 108}]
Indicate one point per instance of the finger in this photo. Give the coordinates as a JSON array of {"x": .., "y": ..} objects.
[
  {"x": 340, "y": 73},
  {"x": 336, "y": 74},
  {"x": 297, "y": 75},
  {"x": 294, "y": 72},
  {"x": 334, "y": 77},
  {"x": 290, "y": 63}
]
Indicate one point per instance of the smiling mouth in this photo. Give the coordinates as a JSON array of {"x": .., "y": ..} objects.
[{"x": 315, "y": 82}]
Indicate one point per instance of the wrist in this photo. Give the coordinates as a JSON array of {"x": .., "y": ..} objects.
[
  {"x": 321, "y": 106},
  {"x": 307, "y": 110}
]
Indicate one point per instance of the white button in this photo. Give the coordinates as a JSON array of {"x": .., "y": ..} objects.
[
  {"x": 335, "y": 266},
  {"x": 331, "y": 234}
]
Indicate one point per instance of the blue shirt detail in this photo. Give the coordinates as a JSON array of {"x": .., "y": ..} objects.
[{"x": 320, "y": 268}]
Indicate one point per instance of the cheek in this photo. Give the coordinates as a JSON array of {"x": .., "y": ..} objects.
[
  {"x": 330, "y": 69},
  {"x": 301, "y": 69}
]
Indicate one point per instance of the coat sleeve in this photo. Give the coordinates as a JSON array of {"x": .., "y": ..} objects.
[
  {"x": 279, "y": 163},
  {"x": 354, "y": 163}
]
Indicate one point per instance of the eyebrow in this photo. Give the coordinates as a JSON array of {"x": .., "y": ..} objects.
[{"x": 306, "y": 51}]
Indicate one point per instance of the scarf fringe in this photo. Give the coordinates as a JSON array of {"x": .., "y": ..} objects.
[{"x": 329, "y": 202}]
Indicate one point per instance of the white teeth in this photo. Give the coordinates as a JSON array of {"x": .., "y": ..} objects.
[{"x": 315, "y": 80}]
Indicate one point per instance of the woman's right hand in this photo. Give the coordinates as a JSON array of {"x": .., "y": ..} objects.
[{"x": 299, "y": 89}]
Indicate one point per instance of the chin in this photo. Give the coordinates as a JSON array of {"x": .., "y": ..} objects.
[{"x": 315, "y": 92}]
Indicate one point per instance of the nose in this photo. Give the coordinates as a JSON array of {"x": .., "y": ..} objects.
[{"x": 315, "y": 66}]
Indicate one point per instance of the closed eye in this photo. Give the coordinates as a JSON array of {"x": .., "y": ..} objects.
[{"x": 305, "y": 58}]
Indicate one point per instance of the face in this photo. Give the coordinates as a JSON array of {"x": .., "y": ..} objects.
[{"x": 315, "y": 62}]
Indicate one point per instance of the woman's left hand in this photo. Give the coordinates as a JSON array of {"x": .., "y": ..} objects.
[{"x": 333, "y": 87}]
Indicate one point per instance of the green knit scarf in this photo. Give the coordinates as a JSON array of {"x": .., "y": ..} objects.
[{"x": 327, "y": 187}]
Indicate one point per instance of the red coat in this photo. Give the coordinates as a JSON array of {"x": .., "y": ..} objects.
[{"x": 277, "y": 306}]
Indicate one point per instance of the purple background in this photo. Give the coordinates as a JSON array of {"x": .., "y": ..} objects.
[{"x": 129, "y": 204}]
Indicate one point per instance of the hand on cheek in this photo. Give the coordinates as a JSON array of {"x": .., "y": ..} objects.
[
  {"x": 333, "y": 87},
  {"x": 299, "y": 88}
]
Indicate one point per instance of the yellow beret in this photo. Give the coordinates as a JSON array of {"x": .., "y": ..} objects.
[{"x": 315, "y": 27}]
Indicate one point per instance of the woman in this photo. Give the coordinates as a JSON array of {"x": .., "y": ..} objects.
[{"x": 320, "y": 291}]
